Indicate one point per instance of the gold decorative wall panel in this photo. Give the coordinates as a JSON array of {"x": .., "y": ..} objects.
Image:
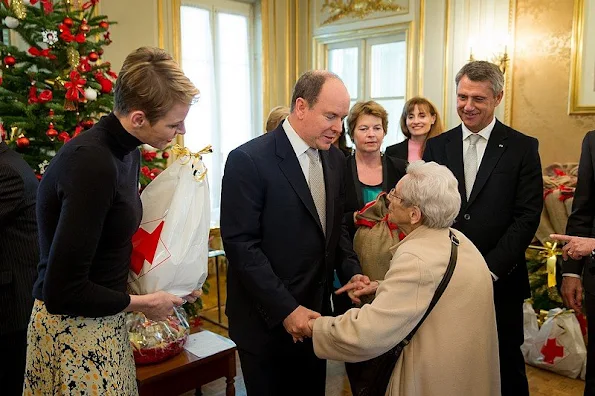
[{"x": 540, "y": 81}]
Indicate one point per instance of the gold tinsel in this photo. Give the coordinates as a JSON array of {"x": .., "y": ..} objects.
[
  {"x": 73, "y": 57},
  {"x": 19, "y": 9}
]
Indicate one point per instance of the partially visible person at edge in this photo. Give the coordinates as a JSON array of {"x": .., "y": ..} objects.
[
  {"x": 340, "y": 141},
  {"x": 19, "y": 255},
  {"x": 276, "y": 117},
  {"x": 501, "y": 187},
  {"x": 455, "y": 351},
  {"x": 368, "y": 172},
  {"x": 88, "y": 208},
  {"x": 420, "y": 121},
  {"x": 282, "y": 203},
  {"x": 579, "y": 252}
]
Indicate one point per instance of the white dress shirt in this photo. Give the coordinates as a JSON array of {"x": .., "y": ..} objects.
[
  {"x": 300, "y": 147},
  {"x": 481, "y": 145}
]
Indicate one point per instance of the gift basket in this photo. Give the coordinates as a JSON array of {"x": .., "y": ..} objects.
[
  {"x": 170, "y": 252},
  {"x": 155, "y": 341}
]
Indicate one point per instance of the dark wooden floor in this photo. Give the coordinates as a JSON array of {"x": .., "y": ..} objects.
[{"x": 541, "y": 382}]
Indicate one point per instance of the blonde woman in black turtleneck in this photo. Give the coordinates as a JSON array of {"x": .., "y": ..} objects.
[{"x": 88, "y": 208}]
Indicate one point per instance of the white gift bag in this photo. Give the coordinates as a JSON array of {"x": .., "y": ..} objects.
[
  {"x": 559, "y": 345},
  {"x": 170, "y": 249},
  {"x": 530, "y": 328}
]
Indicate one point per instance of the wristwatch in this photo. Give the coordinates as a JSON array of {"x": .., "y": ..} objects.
[{"x": 593, "y": 254}]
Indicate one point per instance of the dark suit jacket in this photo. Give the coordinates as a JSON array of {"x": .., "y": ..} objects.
[
  {"x": 278, "y": 255},
  {"x": 505, "y": 205},
  {"x": 399, "y": 150},
  {"x": 582, "y": 219},
  {"x": 393, "y": 169},
  {"x": 19, "y": 249}
]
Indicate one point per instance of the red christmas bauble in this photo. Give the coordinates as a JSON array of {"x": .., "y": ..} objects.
[
  {"x": 104, "y": 25},
  {"x": 106, "y": 85},
  {"x": 38, "y": 176},
  {"x": 100, "y": 51},
  {"x": 9, "y": 60},
  {"x": 63, "y": 136},
  {"x": 68, "y": 22},
  {"x": 22, "y": 142},
  {"x": 51, "y": 132},
  {"x": 93, "y": 56},
  {"x": 88, "y": 123},
  {"x": 165, "y": 155},
  {"x": 84, "y": 28}
]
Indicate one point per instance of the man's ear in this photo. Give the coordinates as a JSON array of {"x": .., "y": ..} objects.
[
  {"x": 301, "y": 105},
  {"x": 137, "y": 118}
]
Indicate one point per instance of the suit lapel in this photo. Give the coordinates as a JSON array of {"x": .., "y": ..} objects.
[
  {"x": 454, "y": 157},
  {"x": 3, "y": 146},
  {"x": 292, "y": 170},
  {"x": 494, "y": 150}
]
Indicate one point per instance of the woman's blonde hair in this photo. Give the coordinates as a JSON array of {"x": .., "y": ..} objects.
[
  {"x": 435, "y": 130},
  {"x": 152, "y": 82},
  {"x": 275, "y": 117},
  {"x": 366, "y": 108}
]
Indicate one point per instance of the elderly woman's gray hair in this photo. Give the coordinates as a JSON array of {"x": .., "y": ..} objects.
[{"x": 434, "y": 190}]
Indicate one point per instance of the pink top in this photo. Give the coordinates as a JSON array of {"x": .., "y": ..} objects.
[{"x": 413, "y": 150}]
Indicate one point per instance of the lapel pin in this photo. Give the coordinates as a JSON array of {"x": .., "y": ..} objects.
[{"x": 500, "y": 145}]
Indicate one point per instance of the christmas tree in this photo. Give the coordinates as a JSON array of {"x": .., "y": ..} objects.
[{"x": 58, "y": 85}]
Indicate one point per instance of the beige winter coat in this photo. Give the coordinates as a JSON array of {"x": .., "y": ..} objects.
[{"x": 455, "y": 351}]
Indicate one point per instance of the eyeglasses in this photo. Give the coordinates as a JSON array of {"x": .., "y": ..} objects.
[{"x": 392, "y": 195}]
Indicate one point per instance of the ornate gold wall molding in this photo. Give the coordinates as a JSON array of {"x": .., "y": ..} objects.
[
  {"x": 339, "y": 9},
  {"x": 579, "y": 28},
  {"x": 508, "y": 92}
]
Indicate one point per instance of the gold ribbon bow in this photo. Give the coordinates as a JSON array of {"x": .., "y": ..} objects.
[{"x": 186, "y": 156}]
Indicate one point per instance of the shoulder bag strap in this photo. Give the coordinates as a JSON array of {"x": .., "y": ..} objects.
[{"x": 447, "y": 275}]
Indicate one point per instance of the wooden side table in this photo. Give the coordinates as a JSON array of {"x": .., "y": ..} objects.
[{"x": 188, "y": 371}]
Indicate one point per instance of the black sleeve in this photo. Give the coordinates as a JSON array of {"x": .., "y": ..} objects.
[
  {"x": 527, "y": 209},
  {"x": 86, "y": 187},
  {"x": 580, "y": 222},
  {"x": 12, "y": 192},
  {"x": 242, "y": 203}
]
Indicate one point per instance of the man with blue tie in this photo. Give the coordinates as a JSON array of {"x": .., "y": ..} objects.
[
  {"x": 282, "y": 201},
  {"x": 499, "y": 174}
]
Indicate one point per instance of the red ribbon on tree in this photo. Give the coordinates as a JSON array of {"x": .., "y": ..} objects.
[
  {"x": 48, "y": 6},
  {"x": 74, "y": 87},
  {"x": 44, "y": 53},
  {"x": 90, "y": 4}
]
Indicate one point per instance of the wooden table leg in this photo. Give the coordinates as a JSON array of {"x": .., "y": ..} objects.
[{"x": 230, "y": 389}]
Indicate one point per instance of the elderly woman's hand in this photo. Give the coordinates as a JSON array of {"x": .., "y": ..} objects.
[
  {"x": 576, "y": 247},
  {"x": 358, "y": 287}
]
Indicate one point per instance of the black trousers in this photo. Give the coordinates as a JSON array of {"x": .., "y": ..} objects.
[
  {"x": 13, "y": 346},
  {"x": 590, "y": 375},
  {"x": 509, "y": 319},
  {"x": 284, "y": 368}
]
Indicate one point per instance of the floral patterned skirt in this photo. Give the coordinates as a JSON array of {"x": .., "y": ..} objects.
[{"x": 75, "y": 355}]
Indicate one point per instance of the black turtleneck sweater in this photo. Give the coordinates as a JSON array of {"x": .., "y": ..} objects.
[{"x": 88, "y": 208}]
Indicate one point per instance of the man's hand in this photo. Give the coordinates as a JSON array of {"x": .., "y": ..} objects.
[
  {"x": 357, "y": 289},
  {"x": 296, "y": 323},
  {"x": 572, "y": 293},
  {"x": 576, "y": 247}
]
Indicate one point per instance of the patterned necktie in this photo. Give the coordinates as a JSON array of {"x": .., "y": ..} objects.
[
  {"x": 316, "y": 184},
  {"x": 470, "y": 163}
]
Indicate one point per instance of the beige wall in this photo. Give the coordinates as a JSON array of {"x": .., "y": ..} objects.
[
  {"x": 136, "y": 27},
  {"x": 541, "y": 79}
]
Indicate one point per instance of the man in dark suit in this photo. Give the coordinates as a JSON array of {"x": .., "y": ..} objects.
[
  {"x": 282, "y": 203},
  {"x": 500, "y": 183},
  {"x": 19, "y": 254},
  {"x": 578, "y": 251}
]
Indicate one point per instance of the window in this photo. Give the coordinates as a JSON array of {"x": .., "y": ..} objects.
[
  {"x": 374, "y": 69},
  {"x": 217, "y": 55}
]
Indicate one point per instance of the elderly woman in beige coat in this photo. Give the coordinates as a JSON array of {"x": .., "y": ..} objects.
[{"x": 455, "y": 351}]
